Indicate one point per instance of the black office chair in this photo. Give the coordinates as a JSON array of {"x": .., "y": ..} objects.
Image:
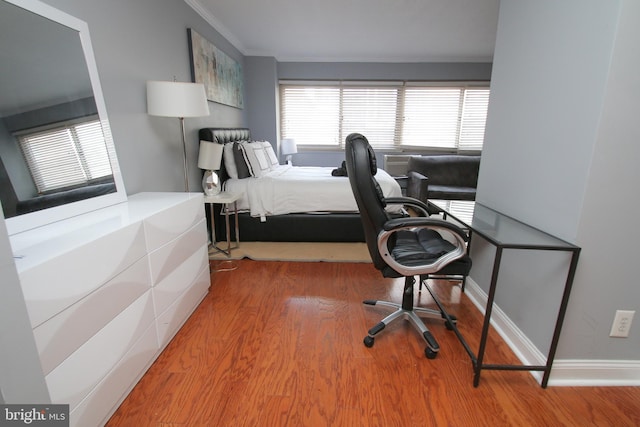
[{"x": 406, "y": 246}]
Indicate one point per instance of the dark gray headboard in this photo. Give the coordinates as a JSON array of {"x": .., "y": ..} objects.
[{"x": 223, "y": 136}]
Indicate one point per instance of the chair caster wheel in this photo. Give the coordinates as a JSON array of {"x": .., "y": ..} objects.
[
  {"x": 368, "y": 341},
  {"x": 430, "y": 353}
]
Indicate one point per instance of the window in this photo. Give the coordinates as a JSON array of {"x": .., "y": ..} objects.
[
  {"x": 66, "y": 156},
  {"x": 389, "y": 114}
]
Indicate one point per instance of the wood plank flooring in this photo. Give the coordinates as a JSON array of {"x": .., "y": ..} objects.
[{"x": 280, "y": 344}]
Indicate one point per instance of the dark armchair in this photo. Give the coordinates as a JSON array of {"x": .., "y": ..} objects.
[
  {"x": 448, "y": 177},
  {"x": 403, "y": 247}
]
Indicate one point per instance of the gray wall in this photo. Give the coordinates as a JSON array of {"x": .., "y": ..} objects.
[
  {"x": 261, "y": 80},
  {"x": 606, "y": 281},
  {"x": 453, "y": 71},
  {"x": 561, "y": 154}
]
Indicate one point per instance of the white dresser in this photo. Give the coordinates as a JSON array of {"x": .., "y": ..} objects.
[{"x": 106, "y": 291}]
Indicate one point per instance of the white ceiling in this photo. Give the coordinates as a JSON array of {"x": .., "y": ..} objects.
[{"x": 357, "y": 30}]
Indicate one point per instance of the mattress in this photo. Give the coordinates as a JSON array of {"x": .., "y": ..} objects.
[{"x": 301, "y": 189}]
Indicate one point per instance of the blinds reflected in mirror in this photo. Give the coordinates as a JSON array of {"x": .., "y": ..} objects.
[{"x": 66, "y": 156}]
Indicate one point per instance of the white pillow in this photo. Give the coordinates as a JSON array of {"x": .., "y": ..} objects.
[
  {"x": 229, "y": 161},
  {"x": 256, "y": 158},
  {"x": 271, "y": 154}
]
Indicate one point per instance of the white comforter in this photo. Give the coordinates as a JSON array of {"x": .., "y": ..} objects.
[{"x": 297, "y": 189}]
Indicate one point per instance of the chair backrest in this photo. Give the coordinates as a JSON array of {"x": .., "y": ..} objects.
[{"x": 361, "y": 169}]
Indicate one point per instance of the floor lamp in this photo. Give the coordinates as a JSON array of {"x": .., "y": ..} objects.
[{"x": 177, "y": 99}]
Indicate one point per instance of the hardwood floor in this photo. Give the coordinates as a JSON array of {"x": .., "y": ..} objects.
[{"x": 280, "y": 344}]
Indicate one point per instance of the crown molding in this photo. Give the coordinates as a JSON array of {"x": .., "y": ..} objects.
[{"x": 217, "y": 25}]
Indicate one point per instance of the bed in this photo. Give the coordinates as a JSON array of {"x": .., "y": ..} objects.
[{"x": 289, "y": 203}]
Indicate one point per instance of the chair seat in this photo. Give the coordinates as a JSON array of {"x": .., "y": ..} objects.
[{"x": 419, "y": 247}]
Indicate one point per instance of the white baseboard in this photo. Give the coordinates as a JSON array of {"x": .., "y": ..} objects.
[
  {"x": 575, "y": 373},
  {"x": 565, "y": 372}
]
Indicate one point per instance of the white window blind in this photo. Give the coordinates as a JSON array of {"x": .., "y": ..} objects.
[
  {"x": 311, "y": 113},
  {"x": 388, "y": 114},
  {"x": 371, "y": 112},
  {"x": 474, "y": 118},
  {"x": 66, "y": 156},
  {"x": 431, "y": 117}
]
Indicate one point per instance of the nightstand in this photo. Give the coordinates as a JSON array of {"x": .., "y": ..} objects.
[{"x": 224, "y": 199}]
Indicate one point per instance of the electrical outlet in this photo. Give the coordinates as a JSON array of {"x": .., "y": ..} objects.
[{"x": 622, "y": 323}]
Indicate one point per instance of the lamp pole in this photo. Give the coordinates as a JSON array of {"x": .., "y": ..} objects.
[{"x": 184, "y": 155}]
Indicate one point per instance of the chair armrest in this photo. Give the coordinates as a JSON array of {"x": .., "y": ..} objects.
[
  {"x": 417, "y": 186},
  {"x": 408, "y": 201}
]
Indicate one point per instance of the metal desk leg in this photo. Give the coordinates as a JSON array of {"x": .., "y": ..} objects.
[
  {"x": 487, "y": 316},
  {"x": 561, "y": 312}
]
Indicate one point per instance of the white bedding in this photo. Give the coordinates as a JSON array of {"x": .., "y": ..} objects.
[{"x": 299, "y": 189}]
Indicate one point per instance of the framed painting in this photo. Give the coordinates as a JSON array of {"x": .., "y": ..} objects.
[{"x": 220, "y": 74}]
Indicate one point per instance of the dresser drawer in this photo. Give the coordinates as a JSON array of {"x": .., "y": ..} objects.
[
  {"x": 170, "y": 223},
  {"x": 169, "y": 289},
  {"x": 53, "y": 285},
  {"x": 63, "y": 334},
  {"x": 165, "y": 260},
  {"x": 104, "y": 399},
  {"x": 177, "y": 313},
  {"x": 78, "y": 374}
]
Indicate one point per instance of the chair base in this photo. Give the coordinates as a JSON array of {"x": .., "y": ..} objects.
[{"x": 413, "y": 314}]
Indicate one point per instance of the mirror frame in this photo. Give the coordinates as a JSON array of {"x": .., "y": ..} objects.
[{"x": 36, "y": 219}]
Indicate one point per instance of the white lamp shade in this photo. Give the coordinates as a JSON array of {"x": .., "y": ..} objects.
[
  {"x": 288, "y": 146},
  {"x": 210, "y": 156},
  {"x": 176, "y": 99}
]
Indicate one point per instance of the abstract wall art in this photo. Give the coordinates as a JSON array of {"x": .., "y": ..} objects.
[{"x": 220, "y": 74}]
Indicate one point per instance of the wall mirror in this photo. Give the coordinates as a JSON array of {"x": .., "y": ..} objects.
[{"x": 57, "y": 157}]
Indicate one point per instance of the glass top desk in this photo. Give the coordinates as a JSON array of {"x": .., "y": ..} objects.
[{"x": 505, "y": 232}]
